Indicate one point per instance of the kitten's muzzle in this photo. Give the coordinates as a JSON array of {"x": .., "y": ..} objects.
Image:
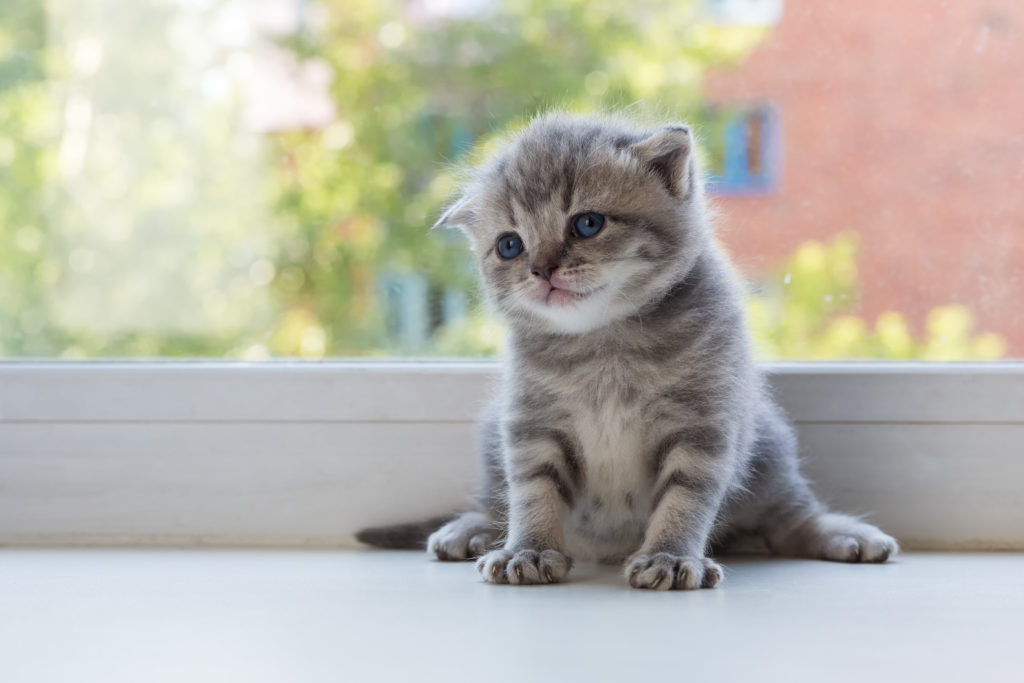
[{"x": 558, "y": 291}]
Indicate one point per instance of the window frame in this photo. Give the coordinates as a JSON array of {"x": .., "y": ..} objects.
[{"x": 286, "y": 453}]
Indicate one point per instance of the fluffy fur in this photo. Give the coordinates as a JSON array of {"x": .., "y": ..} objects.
[{"x": 632, "y": 424}]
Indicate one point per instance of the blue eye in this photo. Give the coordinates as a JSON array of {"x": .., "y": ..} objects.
[
  {"x": 587, "y": 224},
  {"x": 510, "y": 245}
]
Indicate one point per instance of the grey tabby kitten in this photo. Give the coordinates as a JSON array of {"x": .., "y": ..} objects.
[{"x": 632, "y": 423}]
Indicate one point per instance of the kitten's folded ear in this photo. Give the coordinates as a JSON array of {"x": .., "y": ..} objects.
[
  {"x": 459, "y": 215},
  {"x": 668, "y": 153}
]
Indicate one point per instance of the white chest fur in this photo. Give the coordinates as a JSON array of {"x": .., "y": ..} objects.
[
  {"x": 611, "y": 511},
  {"x": 612, "y": 444}
]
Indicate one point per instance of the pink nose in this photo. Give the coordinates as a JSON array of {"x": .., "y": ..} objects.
[{"x": 543, "y": 270}]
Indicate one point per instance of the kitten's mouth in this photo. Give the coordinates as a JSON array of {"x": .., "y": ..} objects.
[{"x": 559, "y": 296}]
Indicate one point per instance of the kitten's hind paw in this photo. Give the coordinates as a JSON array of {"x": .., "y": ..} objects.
[
  {"x": 663, "y": 571},
  {"x": 524, "y": 567},
  {"x": 841, "y": 538},
  {"x": 467, "y": 536}
]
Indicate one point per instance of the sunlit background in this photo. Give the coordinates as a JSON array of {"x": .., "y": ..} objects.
[{"x": 256, "y": 178}]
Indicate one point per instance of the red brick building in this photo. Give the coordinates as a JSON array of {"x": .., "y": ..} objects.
[{"x": 902, "y": 121}]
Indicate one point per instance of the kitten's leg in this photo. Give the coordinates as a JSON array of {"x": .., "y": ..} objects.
[
  {"x": 543, "y": 477},
  {"x": 790, "y": 517},
  {"x": 692, "y": 469},
  {"x": 831, "y": 536}
]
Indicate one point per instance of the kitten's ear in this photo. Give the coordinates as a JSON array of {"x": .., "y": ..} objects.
[
  {"x": 667, "y": 152},
  {"x": 458, "y": 215}
]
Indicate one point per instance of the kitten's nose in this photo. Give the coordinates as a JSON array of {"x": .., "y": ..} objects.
[{"x": 543, "y": 269}]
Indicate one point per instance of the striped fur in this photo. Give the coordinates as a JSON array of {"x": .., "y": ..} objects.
[{"x": 632, "y": 424}]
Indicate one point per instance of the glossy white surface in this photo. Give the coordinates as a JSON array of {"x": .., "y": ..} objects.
[{"x": 298, "y": 616}]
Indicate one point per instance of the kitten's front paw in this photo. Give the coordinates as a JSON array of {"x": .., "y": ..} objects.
[
  {"x": 524, "y": 567},
  {"x": 663, "y": 572}
]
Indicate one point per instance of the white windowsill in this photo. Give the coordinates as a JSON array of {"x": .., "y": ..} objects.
[
  {"x": 304, "y": 454},
  {"x": 273, "y": 616}
]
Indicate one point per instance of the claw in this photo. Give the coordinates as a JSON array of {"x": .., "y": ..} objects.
[
  {"x": 519, "y": 573},
  {"x": 548, "y": 577}
]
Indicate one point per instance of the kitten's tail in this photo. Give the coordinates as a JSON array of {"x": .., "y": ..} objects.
[{"x": 410, "y": 536}]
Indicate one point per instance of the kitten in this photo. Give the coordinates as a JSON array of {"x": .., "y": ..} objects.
[{"x": 632, "y": 423}]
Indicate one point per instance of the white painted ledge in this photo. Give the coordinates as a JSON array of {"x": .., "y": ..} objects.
[
  {"x": 100, "y": 616},
  {"x": 304, "y": 454}
]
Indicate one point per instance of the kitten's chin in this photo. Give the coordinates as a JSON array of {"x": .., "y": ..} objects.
[{"x": 566, "y": 312}]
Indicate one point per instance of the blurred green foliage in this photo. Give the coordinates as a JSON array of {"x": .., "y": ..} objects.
[
  {"x": 132, "y": 205},
  {"x": 139, "y": 218},
  {"x": 804, "y": 311},
  {"x": 26, "y": 159},
  {"x": 416, "y": 91}
]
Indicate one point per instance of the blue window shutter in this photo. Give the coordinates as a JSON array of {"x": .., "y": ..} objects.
[
  {"x": 742, "y": 173},
  {"x": 407, "y": 311}
]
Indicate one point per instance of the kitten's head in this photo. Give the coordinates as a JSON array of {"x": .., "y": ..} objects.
[{"x": 579, "y": 222}]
